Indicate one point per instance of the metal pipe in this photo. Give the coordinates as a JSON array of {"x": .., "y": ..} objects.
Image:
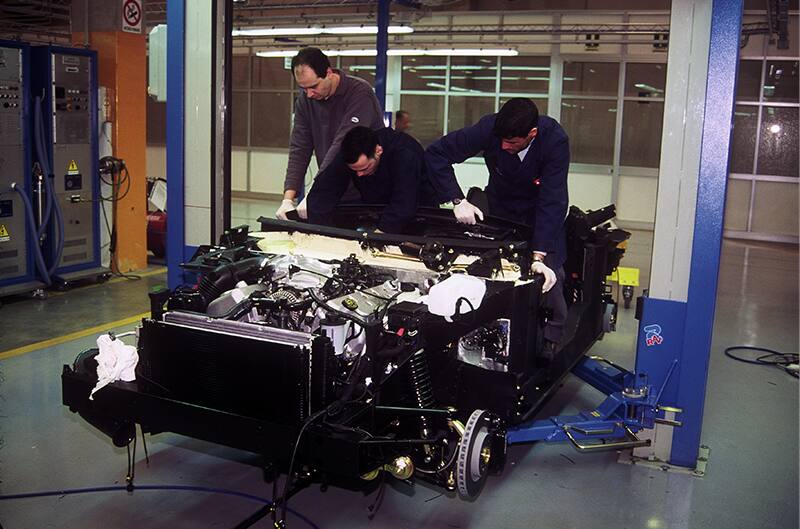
[
  {"x": 382, "y": 46},
  {"x": 86, "y": 23}
]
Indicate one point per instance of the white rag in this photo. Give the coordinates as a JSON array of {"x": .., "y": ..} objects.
[
  {"x": 115, "y": 361},
  {"x": 443, "y": 298}
]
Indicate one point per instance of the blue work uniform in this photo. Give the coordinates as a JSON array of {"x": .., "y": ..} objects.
[
  {"x": 400, "y": 182},
  {"x": 532, "y": 191}
]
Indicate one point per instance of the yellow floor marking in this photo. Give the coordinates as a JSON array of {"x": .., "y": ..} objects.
[{"x": 97, "y": 329}]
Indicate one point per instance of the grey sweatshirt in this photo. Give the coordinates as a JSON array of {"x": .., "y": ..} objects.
[{"x": 319, "y": 126}]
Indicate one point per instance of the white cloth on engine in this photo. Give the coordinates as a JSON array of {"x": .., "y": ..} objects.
[
  {"x": 443, "y": 298},
  {"x": 115, "y": 361}
]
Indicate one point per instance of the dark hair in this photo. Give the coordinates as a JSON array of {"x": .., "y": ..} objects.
[
  {"x": 314, "y": 59},
  {"x": 358, "y": 141},
  {"x": 516, "y": 118},
  {"x": 400, "y": 114}
]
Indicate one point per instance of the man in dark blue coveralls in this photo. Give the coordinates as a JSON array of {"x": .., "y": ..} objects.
[
  {"x": 527, "y": 156},
  {"x": 386, "y": 167}
]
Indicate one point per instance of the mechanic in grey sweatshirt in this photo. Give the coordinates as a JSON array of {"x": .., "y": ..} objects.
[{"x": 330, "y": 103}]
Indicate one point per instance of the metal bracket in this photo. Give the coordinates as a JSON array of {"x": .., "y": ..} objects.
[
  {"x": 631, "y": 441},
  {"x": 699, "y": 470}
]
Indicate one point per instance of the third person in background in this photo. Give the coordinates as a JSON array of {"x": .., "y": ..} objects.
[{"x": 402, "y": 121}]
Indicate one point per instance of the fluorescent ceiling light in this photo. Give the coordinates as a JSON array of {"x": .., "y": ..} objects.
[
  {"x": 399, "y": 52},
  {"x": 275, "y": 32},
  {"x": 315, "y": 30},
  {"x": 648, "y": 88},
  {"x": 455, "y": 52},
  {"x": 277, "y": 53},
  {"x": 527, "y": 68},
  {"x": 366, "y": 30}
]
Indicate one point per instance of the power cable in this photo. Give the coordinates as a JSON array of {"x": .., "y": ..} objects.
[
  {"x": 120, "y": 178},
  {"x": 786, "y": 362},
  {"x": 186, "y": 488}
]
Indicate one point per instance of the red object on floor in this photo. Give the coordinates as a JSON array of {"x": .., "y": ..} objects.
[{"x": 157, "y": 233}]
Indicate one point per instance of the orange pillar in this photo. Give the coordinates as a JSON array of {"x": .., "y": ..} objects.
[{"x": 122, "y": 63}]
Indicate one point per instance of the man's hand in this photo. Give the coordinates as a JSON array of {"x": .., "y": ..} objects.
[
  {"x": 286, "y": 205},
  {"x": 549, "y": 276},
  {"x": 466, "y": 213},
  {"x": 302, "y": 208}
]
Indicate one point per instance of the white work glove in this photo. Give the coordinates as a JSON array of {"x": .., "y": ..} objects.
[
  {"x": 466, "y": 213},
  {"x": 302, "y": 208},
  {"x": 549, "y": 276},
  {"x": 287, "y": 204}
]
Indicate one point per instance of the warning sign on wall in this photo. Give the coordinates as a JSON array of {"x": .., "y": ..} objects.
[
  {"x": 132, "y": 15},
  {"x": 4, "y": 235}
]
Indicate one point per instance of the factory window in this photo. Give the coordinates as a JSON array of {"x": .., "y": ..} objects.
[
  {"x": 765, "y": 126},
  {"x": 541, "y": 103},
  {"x": 156, "y": 122},
  {"x": 642, "y": 122},
  {"x": 525, "y": 75},
  {"x": 261, "y": 102},
  {"x": 446, "y": 94},
  {"x": 643, "y": 114},
  {"x": 762, "y": 189},
  {"x": 749, "y": 82},
  {"x": 240, "y": 72},
  {"x": 777, "y": 148},
  {"x": 591, "y": 78},
  {"x": 427, "y": 116},
  {"x": 465, "y": 111},
  {"x": 270, "y": 73},
  {"x": 270, "y": 122},
  {"x": 645, "y": 80},
  {"x": 780, "y": 82},
  {"x": 589, "y": 110},
  {"x": 424, "y": 73},
  {"x": 363, "y": 67},
  {"x": 590, "y": 125},
  {"x": 743, "y": 141},
  {"x": 473, "y": 75},
  {"x": 240, "y": 114}
]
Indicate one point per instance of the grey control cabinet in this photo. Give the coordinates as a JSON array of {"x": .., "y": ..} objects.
[
  {"x": 68, "y": 79},
  {"x": 17, "y": 272}
]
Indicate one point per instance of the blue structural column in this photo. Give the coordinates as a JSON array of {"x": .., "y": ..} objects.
[
  {"x": 382, "y": 46},
  {"x": 175, "y": 141},
  {"x": 718, "y": 121}
]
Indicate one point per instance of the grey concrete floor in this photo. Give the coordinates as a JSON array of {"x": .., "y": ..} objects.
[{"x": 751, "y": 425}]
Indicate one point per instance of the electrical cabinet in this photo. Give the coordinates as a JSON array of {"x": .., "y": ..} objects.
[
  {"x": 17, "y": 272},
  {"x": 67, "y": 80}
]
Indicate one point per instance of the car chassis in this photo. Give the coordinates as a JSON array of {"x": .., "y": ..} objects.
[{"x": 317, "y": 348}]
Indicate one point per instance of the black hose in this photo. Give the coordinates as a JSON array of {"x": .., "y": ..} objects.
[
  {"x": 37, "y": 251},
  {"x": 770, "y": 358},
  {"x": 189, "y": 488}
]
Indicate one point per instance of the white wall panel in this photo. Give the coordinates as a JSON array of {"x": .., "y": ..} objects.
[
  {"x": 636, "y": 200},
  {"x": 267, "y": 171},
  {"x": 239, "y": 170},
  {"x": 197, "y": 149},
  {"x": 589, "y": 190},
  {"x": 197, "y": 222},
  {"x": 156, "y": 161}
]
